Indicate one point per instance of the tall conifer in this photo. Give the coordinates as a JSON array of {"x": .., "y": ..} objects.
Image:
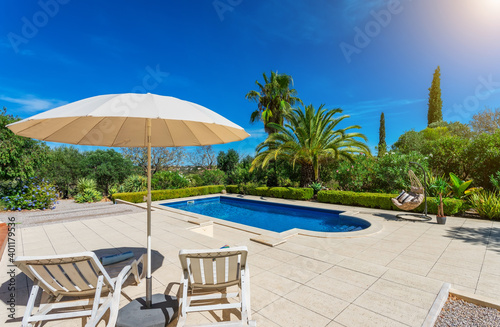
[
  {"x": 435, "y": 112},
  {"x": 382, "y": 146}
]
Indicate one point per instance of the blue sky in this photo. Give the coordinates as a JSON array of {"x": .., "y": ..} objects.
[{"x": 364, "y": 56}]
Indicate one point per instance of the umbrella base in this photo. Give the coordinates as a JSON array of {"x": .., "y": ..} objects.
[{"x": 162, "y": 312}]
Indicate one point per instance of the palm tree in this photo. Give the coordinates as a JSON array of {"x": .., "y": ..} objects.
[
  {"x": 308, "y": 138},
  {"x": 274, "y": 99}
]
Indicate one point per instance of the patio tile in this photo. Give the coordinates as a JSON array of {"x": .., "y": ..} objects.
[
  {"x": 393, "y": 308},
  {"x": 337, "y": 288},
  {"x": 317, "y": 301},
  {"x": 291, "y": 272},
  {"x": 263, "y": 262},
  {"x": 310, "y": 264},
  {"x": 277, "y": 254},
  {"x": 413, "y": 265},
  {"x": 275, "y": 283},
  {"x": 355, "y": 316},
  {"x": 287, "y": 313},
  {"x": 350, "y": 276},
  {"x": 404, "y": 293},
  {"x": 260, "y": 297},
  {"x": 378, "y": 257},
  {"x": 364, "y": 267},
  {"x": 413, "y": 280},
  {"x": 455, "y": 275},
  {"x": 263, "y": 321}
]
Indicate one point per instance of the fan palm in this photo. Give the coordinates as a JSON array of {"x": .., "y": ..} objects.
[
  {"x": 308, "y": 138},
  {"x": 274, "y": 99}
]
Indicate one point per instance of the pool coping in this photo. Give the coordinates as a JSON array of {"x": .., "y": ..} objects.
[{"x": 265, "y": 236}]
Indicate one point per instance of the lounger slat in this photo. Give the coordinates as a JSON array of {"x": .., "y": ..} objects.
[
  {"x": 87, "y": 273},
  {"x": 221, "y": 264},
  {"x": 233, "y": 268},
  {"x": 61, "y": 278},
  {"x": 208, "y": 265},
  {"x": 45, "y": 278},
  {"x": 195, "y": 266},
  {"x": 73, "y": 274}
]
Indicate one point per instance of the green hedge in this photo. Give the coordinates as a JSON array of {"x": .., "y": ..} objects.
[
  {"x": 293, "y": 193},
  {"x": 383, "y": 201},
  {"x": 138, "y": 197}
]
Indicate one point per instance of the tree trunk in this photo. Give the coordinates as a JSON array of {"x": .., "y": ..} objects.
[{"x": 306, "y": 175}]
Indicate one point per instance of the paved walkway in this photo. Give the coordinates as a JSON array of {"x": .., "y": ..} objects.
[{"x": 389, "y": 278}]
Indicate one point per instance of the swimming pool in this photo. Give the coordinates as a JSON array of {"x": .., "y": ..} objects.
[{"x": 275, "y": 217}]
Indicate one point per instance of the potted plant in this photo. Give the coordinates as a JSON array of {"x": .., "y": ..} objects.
[{"x": 440, "y": 186}]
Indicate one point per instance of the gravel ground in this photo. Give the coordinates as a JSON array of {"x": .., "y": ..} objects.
[
  {"x": 68, "y": 210},
  {"x": 457, "y": 312}
]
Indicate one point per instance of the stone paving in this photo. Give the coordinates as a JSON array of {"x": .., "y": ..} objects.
[{"x": 389, "y": 278}]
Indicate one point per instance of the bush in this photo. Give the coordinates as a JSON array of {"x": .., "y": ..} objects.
[
  {"x": 213, "y": 177},
  {"x": 275, "y": 192},
  {"x": 135, "y": 183},
  {"x": 157, "y": 195},
  {"x": 29, "y": 194},
  {"x": 487, "y": 204},
  {"x": 383, "y": 201},
  {"x": 195, "y": 180},
  {"x": 164, "y": 180},
  {"x": 87, "y": 191}
]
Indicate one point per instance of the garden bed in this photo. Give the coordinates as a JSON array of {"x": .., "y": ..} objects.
[{"x": 458, "y": 312}]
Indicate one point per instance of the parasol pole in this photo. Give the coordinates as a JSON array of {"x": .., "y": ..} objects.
[{"x": 149, "y": 288}]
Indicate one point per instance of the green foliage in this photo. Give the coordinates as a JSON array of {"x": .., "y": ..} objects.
[
  {"x": 63, "y": 168},
  {"x": 87, "y": 191},
  {"x": 195, "y": 180},
  {"x": 158, "y": 195},
  {"x": 213, "y": 177},
  {"x": 293, "y": 193},
  {"x": 486, "y": 121},
  {"x": 495, "y": 181},
  {"x": 435, "y": 103},
  {"x": 135, "y": 183},
  {"x": 410, "y": 141},
  {"x": 316, "y": 187},
  {"x": 163, "y": 180},
  {"x": 383, "y": 201},
  {"x": 30, "y": 194},
  {"x": 458, "y": 186},
  {"x": 107, "y": 167},
  {"x": 483, "y": 157},
  {"x": 385, "y": 174},
  {"x": 274, "y": 99},
  {"x": 20, "y": 157},
  {"x": 487, "y": 204},
  {"x": 382, "y": 146},
  {"x": 308, "y": 139},
  {"x": 227, "y": 161}
]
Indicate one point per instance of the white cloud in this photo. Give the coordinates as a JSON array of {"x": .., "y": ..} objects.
[
  {"x": 33, "y": 104},
  {"x": 369, "y": 106}
]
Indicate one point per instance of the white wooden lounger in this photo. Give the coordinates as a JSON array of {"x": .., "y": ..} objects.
[
  {"x": 74, "y": 275},
  {"x": 215, "y": 271}
]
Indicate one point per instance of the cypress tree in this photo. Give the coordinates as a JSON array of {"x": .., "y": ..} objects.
[
  {"x": 382, "y": 146},
  {"x": 435, "y": 112}
]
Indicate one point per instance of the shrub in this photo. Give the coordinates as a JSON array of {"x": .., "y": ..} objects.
[
  {"x": 29, "y": 194},
  {"x": 87, "y": 191},
  {"x": 135, "y": 183},
  {"x": 487, "y": 204},
  {"x": 383, "y": 201},
  {"x": 195, "y": 180},
  {"x": 293, "y": 193},
  {"x": 164, "y": 180},
  {"x": 157, "y": 195},
  {"x": 213, "y": 177}
]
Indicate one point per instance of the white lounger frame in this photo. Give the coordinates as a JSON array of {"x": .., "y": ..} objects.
[
  {"x": 215, "y": 270},
  {"x": 74, "y": 275}
]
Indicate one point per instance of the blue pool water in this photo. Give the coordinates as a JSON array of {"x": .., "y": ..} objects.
[{"x": 271, "y": 216}]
